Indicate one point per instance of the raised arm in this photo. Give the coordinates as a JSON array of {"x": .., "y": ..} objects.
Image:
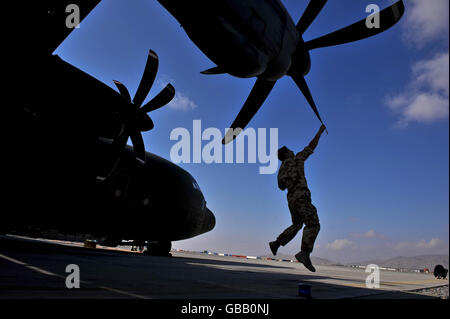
[{"x": 315, "y": 141}]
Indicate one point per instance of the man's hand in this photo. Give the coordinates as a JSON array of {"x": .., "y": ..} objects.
[{"x": 315, "y": 141}]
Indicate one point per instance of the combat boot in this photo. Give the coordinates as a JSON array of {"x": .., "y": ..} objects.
[
  {"x": 274, "y": 245},
  {"x": 303, "y": 257}
]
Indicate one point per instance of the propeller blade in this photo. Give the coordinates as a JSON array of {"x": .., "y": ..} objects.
[
  {"x": 138, "y": 145},
  {"x": 122, "y": 139},
  {"x": 151, "y": 68},
  {"x": 303, "y": 86},
  {"x": 123, "y": 90},
  {"x": 163, "y": 98},
  {"x": 359, "y": 30},
  {"x": 120, "y": 142},
  {"x": 118, "y": 146},
  {"x": 144, "y": 123},
  {"x": 310, "y": 14},
  {"x": 214, "y": 71},
  {"x": 257, "y": 96}
]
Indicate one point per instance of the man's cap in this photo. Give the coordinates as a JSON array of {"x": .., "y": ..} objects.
[{"x": 281, "y": 151}]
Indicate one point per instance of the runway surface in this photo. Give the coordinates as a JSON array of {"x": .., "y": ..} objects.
[{"x": 35, "y": 269}]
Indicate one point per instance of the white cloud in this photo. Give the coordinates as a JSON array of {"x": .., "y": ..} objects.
[
  {"x": 426, "y": 108},
  {"x": 340, "y": 244},
  {"x": 426, "y": 98},
  {"x": 421, "y": 245},
  {"x": 433, "y": 73},
  {"x": 425, "y": 20},
  {"x": 182, "y": 102},
  {"x": 433, "y": 243},
  {"x": 369, "y": 234}
]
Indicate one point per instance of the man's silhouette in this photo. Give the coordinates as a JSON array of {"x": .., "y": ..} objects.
[{"x": 291, "y": 176}]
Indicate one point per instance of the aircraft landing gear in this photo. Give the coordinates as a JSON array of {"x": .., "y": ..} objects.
[
  {"x": 138, "y": 246},
  {"x": 159, "y": 248},
  {"x": 111, "y": 242}
]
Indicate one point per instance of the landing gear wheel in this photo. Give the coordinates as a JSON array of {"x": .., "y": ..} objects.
[
  {"x": 111, "y": 242},
  {"x": 159, "y": 248}
]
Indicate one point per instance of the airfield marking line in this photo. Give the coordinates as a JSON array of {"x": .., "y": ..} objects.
[
  {"x": 13, "y": 260},
  {"x": 48, "y": 273},
  {"x": 39, "y": 270},
  {"x": 415, "y": 282},
  {"x": 125, "y": 293}
]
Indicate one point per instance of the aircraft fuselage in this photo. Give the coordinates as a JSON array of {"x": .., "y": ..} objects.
[
  {"x": 63, "y": 142},
  {"x": 253, "y": 38}
]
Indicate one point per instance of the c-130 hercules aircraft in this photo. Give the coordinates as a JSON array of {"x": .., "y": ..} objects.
[{"x": 76, "y": 128}]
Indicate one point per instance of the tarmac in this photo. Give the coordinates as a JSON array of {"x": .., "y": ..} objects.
[{"x": 36, "y": 269}]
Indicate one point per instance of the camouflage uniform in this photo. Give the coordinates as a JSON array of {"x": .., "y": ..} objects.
[{"x": 292, "y": 177}]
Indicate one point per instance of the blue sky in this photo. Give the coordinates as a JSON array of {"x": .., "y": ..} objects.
[{"x": 380, "y": 178}]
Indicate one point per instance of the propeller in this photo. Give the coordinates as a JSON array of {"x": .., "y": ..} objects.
[
  {"x": 358, "y": 31},
  {"x": 258, "y": 95},
  {"x": 301, "y": 83},
  {"x": 135, "y": 118},
  {"x": 301, "y": 61},
  {"x": 312, "y": 11}
]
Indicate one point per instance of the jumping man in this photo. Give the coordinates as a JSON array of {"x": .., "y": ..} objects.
[{"x": 292, "y": 177}]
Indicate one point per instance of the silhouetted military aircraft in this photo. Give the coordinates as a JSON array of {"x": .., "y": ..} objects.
[
  {"x": 73, "y": 171},
  {"x": 258, "y": 38}
]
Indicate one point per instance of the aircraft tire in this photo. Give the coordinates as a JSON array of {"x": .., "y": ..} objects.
[{"x": 159, "y": 248}]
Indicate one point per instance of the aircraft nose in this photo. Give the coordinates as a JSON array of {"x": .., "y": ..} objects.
[{"x": 209, "y": 222}]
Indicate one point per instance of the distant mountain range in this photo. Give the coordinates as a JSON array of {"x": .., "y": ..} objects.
[{"x": 415, "y": 262}]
